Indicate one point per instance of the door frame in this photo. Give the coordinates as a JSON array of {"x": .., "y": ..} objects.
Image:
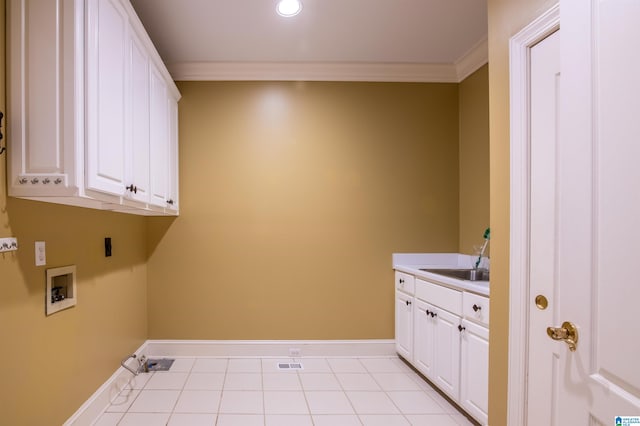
[{"x": 520, "y": 182}]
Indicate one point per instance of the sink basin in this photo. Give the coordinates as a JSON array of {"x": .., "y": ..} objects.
[{"x": 462, "y": 274}]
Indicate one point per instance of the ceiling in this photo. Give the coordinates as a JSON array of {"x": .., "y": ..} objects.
[{"x": 369, "y": 40}]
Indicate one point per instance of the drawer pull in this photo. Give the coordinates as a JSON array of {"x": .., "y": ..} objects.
[
  {"x": 427, "y": 312},
  {"x": 408, "y": 302},
  {"x": 433, "y": 314},
  {"x": 461, "y": 328},
  {"x": 476, "y": 308},
  {"x": 401, "y": 281}
]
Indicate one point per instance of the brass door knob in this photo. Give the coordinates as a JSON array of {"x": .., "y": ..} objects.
[{"x": 568, "y": 333}]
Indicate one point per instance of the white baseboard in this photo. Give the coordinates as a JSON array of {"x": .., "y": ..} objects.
[
  {"x": 98, "y": 402},
  {"x": 270, "y": 348}
]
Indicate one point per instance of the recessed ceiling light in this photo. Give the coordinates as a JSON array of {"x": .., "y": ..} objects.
[{"x": 289, "y": 8}]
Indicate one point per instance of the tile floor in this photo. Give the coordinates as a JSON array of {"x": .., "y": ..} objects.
[{"x": 252, "y": 391}]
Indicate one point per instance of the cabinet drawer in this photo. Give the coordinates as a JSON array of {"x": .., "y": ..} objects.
[
  {"x": 405, "y": 282},
  {"x": 475, "y": 307},
  {"x": 443, "y": 297}
]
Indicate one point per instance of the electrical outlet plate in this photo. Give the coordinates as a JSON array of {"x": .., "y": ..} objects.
[
  {"x": 41, "y": 254},
  {"x": 8, "y": 244},
  {"x": 295, "y": 352}
]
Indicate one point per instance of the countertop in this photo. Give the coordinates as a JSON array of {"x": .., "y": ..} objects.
[{"x": 412, "y": 263}]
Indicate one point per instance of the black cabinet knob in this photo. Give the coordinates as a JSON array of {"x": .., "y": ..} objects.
[
  {"x": 461, "y": 328},
  {"x": 476, "y": 308},
  {"x": 408, "y": 302},
  {"x": 401, "y": 281}
]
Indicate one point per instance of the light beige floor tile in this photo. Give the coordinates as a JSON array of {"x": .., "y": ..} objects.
[
  {"x": 155, "y": 401},
  {"x": 144, "y": 419},
  {"x": 182, "y": 365},
  {"x": 210, "y": 365},
  {"x": 346, "y": 365},
  {"x": 138, "y": 382},
  {"x": 197, "y": 401},
  {"x": 167, "y": 381},
  {"x": 431, "y": 420},
  {"x": 395, "y": 382},
  {"x": 205, "y": 381},
  {"x": 279, "y": 381},
  {"x": 381, "y": 365},
  {"x": 288, "y": 420},
  {"x": 415, "y": 402},
  {"x": 372, "y": 403},
  {"x": 336, "y": 420},
  {"x": 243, "y": 381},
  {"x": 241, "y": 402},
  {"x": 319, "y": 381},
  {"x": 328, "y": 402},
  {"x": 123, "y": 401},
  {"x": 314, "y": 365},
  {"x": 385, "y": 420},
  {"x": 244, "y": 365},
  {"x": 240, "y": 420},
  {"x": 189, "y": 419},
  {"x": 357, "y": 382},
  {"x": 108, "y": 419},
  {"x": 285, "y": 402}
]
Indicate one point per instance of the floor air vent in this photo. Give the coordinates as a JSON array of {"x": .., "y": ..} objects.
[
  {"x": 163, "y": 364},
  {"x": 289, "y": 366}
]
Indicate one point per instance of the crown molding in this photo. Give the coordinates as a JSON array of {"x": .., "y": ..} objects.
[
  {"x": 471, "y": 61},
  {"x": 333, "y": 71}
]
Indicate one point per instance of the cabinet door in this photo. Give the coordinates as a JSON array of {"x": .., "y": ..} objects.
[
  {"x": 447, "y": 353},
  {"x": 138, "y": 158},
  {"x": 172, "y": 197},
  {"x": 159, "y": 143},
  {"x": 43, "y": 96},
  {"x": 106, "y": 115},
  {"x": 404, "y": 325},
  {"x": 474, "y": 371},
  {"x": 424, "y": 338}
]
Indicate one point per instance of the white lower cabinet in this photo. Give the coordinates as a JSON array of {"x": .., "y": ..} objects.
[{"x": 443, "y": 333}]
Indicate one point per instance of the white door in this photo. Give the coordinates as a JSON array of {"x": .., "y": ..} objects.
[{"x": 593, "y": 231}]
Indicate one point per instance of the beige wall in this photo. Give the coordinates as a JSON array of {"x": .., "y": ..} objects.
[
  {"x": 506, "y": 18},
  {"x": 294, "y": 196},
  {"x": 474, "y": 159},
  {"x": 51, "y": 365}
]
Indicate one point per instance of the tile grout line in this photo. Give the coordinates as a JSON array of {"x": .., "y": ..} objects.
[
  {"x": 224, "y": 379},
  {"x": 173, "y": 411}
]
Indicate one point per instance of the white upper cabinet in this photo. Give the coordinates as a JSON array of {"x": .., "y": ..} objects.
[{"x": 91, "y": 107}]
